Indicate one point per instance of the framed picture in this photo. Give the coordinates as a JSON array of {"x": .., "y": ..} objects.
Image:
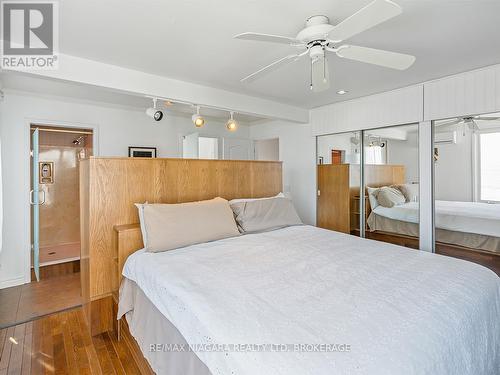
[{"x": 141, "y": 152}]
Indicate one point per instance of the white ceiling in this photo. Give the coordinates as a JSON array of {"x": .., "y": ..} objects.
[
  {"x": 192, "y": 41},
  {"x": 48, "y": 87}
]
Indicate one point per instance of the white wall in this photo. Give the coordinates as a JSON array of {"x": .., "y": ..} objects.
[
  {"x": 267, "y": 149},
  {"x": 453, "y": 171},
  {"x": 297, "y": 152},
  {"x": 405, "y": 152},
  {"x": 117, "y": 128},
  {"x": 469, "y": 93}
]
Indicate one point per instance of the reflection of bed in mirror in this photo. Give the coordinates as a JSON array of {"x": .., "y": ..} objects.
[
  {"x": 467, "y": 230},
  {"x": 468, "y": 224}
]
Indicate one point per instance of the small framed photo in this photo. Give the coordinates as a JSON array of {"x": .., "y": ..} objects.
[{"x": 141, "y": 152}]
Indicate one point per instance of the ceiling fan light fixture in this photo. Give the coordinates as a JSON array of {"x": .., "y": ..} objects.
[
  {"x": 231, "y": 124},
  {"x": 319, "y": 36}
]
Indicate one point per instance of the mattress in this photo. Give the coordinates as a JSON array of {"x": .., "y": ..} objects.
[
  {"x": 470, "y": 240},
  {"x": 303, "y": 300},
  {"x": 467, "y": 217}
]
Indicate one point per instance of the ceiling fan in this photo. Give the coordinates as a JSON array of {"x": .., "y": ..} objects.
[
  {"x": 319, "y": 37},
  {"x": 468, "y": 122}
]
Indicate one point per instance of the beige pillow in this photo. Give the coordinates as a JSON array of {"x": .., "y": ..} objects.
[
  {"x": 170, "y": 226},
  {"x": 410, "y": 191},
  {"x": 265, "y": 214},
  {"x": 390, "y": 196}
]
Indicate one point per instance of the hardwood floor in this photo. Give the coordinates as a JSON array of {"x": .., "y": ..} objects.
[
  {"x": 29, "y": 301},
  {"x": 61, "y": 344}
]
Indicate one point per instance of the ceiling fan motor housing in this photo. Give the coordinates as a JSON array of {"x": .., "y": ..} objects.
[{"x": 317, "y": 27}]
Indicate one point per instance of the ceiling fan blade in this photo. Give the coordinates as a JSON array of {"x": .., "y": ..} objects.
[
  {"x": 379, "y": 57},
  {"x": 320, "y": 80},
  {"x": 268, "y": 38},
  {"x": 486, "y": 118},
  {"x": 273, "y": 66},
  {"x": 371, "y": 15}
]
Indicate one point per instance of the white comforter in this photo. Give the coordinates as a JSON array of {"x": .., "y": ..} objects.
[
  {"x": 402, "y": 311},
  {"x": 468, "y": 217}
]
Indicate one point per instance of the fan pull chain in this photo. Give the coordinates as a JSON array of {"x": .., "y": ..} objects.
[
  {"x": 324, "y": 66},
  {"x": 311, "y": 84}
]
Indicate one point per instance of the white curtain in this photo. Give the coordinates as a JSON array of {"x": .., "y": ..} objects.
[{"x": 375, "y": 155}]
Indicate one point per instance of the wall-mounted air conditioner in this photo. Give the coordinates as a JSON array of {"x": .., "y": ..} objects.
[{"x": 445, "y": 138}]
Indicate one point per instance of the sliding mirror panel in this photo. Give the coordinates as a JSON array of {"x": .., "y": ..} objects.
[
  {"x": 467, "y": 188},
  {"x": 338, "y": 181},
  {"x": 391, "y": 177}
]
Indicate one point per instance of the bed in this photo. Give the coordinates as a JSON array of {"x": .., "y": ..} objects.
[
  {"x": 304, "y": 300},
  {"x": 468, "y": 224}
]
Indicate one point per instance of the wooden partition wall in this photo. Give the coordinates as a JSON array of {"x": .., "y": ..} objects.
[{"x": 109, "y": 187}]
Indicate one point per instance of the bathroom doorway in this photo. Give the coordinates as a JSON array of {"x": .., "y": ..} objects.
[{"x": 55, "y": 224}]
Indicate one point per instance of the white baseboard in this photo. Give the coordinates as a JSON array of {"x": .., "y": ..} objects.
[{"x": 12, "y": 282}]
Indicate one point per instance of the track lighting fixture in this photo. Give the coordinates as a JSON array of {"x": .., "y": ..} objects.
[
  {"x": 154, "y": 113},
  {"x": 231, "y": 124},
  {"x": 198, "y": 120}
]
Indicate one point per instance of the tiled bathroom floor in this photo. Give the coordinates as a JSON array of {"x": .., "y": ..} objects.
[{"x": 56, "y": 253}]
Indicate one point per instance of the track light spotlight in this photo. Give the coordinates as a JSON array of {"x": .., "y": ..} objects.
[
  {"x": 231, "y": 124},
  {"x": 154, "y": 113},
  {"x": 198, "y": 120}
]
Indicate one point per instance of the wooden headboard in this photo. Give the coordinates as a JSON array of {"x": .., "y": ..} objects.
[
  {"x": 109, "y": 187},
  {"x": 128, "y": 239}
]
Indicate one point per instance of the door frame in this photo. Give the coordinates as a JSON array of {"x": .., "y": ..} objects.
[{"x": 28, "y": 123}]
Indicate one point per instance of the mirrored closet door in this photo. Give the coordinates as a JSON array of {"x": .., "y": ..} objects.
[
  {"x": 391, "y": 180},
  {"x": 467, "y": 188},
  {"x": 368, "y": 184}
]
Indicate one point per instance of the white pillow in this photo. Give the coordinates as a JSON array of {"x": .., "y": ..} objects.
[
  {"x": 171, "y": 226},
  {"x": 239, "y": 200},
  {"x": 372, "y": 197}
]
